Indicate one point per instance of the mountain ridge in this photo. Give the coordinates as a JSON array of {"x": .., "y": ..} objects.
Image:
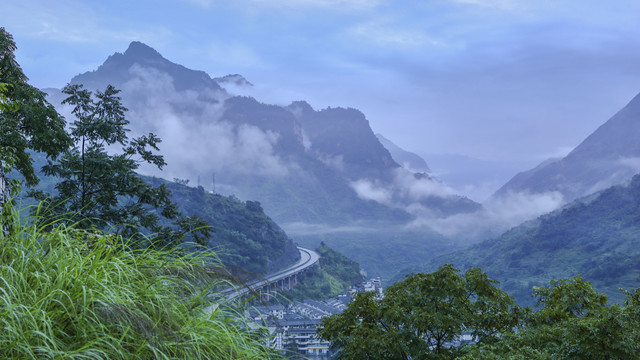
[
  {"x": 409, "y": 160},
  {"x": 312, "y": 167},
  {"x": 116, "y": 67},
  {"x": 597, "y": 236},
  {"x": 608, "y": 156},
  {"x": 294, "y": 137}
]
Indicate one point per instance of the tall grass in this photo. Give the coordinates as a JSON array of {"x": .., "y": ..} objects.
[{"x": 73, "y": 294}]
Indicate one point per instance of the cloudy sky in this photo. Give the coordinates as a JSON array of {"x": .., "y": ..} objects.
[{"x": 515, "y": 81}]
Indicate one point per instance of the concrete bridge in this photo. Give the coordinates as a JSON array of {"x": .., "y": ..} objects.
[
  {"x": 286, "y": 279},
  {"x": 276, "y": 282}
]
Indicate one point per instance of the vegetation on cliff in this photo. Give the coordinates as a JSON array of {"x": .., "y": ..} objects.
[{"x": 244, "y": 236}]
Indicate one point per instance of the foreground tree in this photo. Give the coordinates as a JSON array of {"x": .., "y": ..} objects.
[
  {"x": 5, "y": 104},
  {"x": 30, "y": 123},
  {"x": 423, "y": 317},
  {"x": 572, "y": 321},
  {"x": 100, "y": 188}
]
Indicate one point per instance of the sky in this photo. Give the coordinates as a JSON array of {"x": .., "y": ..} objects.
[{"x": 505, "y": 81}]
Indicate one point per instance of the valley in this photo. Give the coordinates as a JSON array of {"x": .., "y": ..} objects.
[
  {"x": 325, "y": 177},
  {"x": 458, "y": 179}
]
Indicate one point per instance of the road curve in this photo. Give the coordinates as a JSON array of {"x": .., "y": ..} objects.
[{"x": 308, "y": 258}]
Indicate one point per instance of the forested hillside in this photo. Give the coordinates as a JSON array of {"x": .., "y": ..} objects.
[
  {"x": 597, "y": 237},
  {"x": 245, "y": 237}
]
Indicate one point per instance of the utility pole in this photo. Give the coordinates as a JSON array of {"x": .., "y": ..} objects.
[{"x": 213, "y": 182}]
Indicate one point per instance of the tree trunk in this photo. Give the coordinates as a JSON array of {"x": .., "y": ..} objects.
[
  {"x": 5, "y": 194},
  {"x": 5, "y": 187}
]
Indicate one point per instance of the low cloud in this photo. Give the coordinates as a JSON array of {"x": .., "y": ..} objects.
[
  {"x": 196, "y": 139},
  {"x": 632, "y": 163},
  {"x": 302, "y": 229},
  {"x": 419, "y": 187},
  {"x": 306, "y": 142},
  {"x": 496, "y": 216},
  {"x": 334, "y": 162},
  {"x": 406, "y": 190},
  {"x": 618, "y": 172},
  {"x": 369, "y": 190},
  {"x": 412, "y": 194}
]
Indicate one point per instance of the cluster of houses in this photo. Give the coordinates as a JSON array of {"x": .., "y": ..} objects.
[{"x": 293, "y": 327}]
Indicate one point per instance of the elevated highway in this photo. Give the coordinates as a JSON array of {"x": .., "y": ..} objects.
[{"x": 278, "y": 281}]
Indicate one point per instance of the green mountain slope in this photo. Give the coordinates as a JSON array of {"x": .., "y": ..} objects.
[
  {"x": 246, "y": 238},
  {"x": 597, "y": 237}
]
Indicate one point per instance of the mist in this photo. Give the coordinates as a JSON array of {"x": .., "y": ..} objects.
[
  {"x": 196, "y": 139},
  {"x": 496, "y": 215}
]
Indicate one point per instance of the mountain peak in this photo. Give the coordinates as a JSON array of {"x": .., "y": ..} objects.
[
  {"x": 138, "y": 49},
  {"x": 116, "y": 70},
  {"x": 233, "y": 79},
  {"x": 299, "y": 108}
]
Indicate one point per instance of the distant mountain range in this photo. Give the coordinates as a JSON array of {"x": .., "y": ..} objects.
[
  {"x": 325, "y": 176},
  {"x": 307, "y": 168},
  {"x": 597, "y": 237},
  {"x": 301, "y": 163},
  {"x": 595, "y": 234},
  {"x": 609, "y": 156}
]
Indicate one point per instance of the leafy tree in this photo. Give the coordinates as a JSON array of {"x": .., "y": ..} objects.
[
  {"x": 572, "y": 322},
  {"x": 5, "y": 104},
  {"x": 422, "y": 316},
  {"x": 33, "y": 125},
  {"x": 100, "y": 188}
]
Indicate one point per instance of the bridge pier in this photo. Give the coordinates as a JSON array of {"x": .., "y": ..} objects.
[{"x": 269, "y": 290}]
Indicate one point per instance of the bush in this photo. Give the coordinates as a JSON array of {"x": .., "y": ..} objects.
[{"x": 77, "y": 294}]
